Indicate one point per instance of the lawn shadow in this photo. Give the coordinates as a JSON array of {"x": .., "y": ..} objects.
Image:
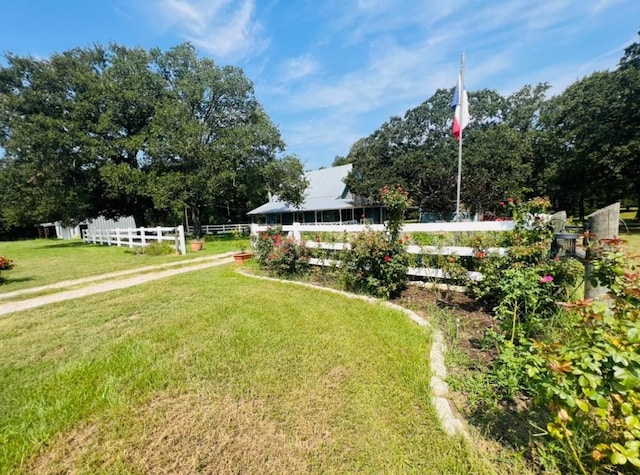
[
  {"x": 63, "y": 245},
  {"x": 6, "y": 281}
]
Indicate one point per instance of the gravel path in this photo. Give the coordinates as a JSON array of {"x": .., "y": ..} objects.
[{"x": 153, "y": 273}]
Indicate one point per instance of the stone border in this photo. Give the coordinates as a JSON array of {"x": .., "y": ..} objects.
[{"x": 439, "y": 387}]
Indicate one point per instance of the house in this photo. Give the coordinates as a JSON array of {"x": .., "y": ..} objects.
[{"x": 328, "y": 200}]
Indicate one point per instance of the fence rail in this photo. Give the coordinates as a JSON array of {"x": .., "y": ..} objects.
[
  {"x": 296, "y": 229},
  {"x": 137, "y": 237},
  {"x": 221, "y": 228},
  {"x": 468, "y": 226}
]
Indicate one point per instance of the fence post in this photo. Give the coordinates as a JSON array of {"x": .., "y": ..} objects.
[
  {"x": 296, "y": 233},
  {"x": 130, "y": 237},
  {"x": 182, "y": 245},
  {"x": 159, "y": 234},
  {"x": 604, "y": 223}
]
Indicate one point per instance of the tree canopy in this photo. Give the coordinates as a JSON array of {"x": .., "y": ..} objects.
[
  {"x": 580, "y": 147},
  {"x": 117, "y": 131}
]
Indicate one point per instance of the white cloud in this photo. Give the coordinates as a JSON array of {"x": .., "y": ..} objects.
[
  {"x": 223, "y": 28},
  {"x": 299, "y": 67}
]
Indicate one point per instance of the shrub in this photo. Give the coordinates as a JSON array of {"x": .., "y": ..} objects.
[
  {"x": 288, "y": 258},
  {"x": 374, "y": 265},
  {"x": 591, "y": 381},
  {"x": 396, "y": 201},
  {"x": 522, "y": 288},
  {"x": 153, "y": 249},
  {"x": 159, "y": 249},
  {"x": 377, "y": 262},
  {"x": 283, "y": 257}
]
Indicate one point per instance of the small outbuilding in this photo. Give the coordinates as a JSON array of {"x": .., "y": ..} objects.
[{"x": 59, "y": 231}]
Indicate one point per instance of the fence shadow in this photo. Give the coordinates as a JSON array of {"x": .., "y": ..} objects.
[
  {"x": 63, "y": 245},
  {"x": 10, "y": 280}
]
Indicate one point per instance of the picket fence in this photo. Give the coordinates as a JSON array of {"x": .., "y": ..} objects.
[
  {"x": 137, "y": 237},
  {"x": 296, "y": 229}
]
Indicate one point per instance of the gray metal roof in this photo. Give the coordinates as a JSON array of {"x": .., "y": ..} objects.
[{"x": 326, "y": 191}]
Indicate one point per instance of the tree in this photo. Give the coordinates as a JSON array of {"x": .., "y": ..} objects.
[
  {"x": 49, "y": 111},
  {"x": 122, "y": 131},
  {"x": 132, "y": 92},
  {"x": 339, "y": 161},
  {"x": 592, "y": 133},
  {"x": 209, "y": 135},
  {"x": 419, "y": 152},
  {"x": 285, "y": 178}
]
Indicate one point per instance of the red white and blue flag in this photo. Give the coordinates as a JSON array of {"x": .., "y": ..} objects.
[{"x": 460, "y": 106}]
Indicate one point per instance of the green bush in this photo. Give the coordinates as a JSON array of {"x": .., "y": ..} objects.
[
  {"x": 153, "y": 249},
  {"x": 374, "y": 265},
  {"x": 580, "y": 361},
  {"x": 377, "y": 262},
  {"x": 283, "y": 257},
  {"x": 591, "y": 380}
]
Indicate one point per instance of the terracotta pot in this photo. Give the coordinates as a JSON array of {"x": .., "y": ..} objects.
[
  {"x": 196, "y": 246},
  {"x": 240, "y": 257}
]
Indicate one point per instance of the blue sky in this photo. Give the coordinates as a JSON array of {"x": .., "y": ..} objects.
[{"x": 332, "y": 71}]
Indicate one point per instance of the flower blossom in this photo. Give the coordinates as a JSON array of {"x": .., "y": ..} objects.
[
  {"x": 546, "y": 279},
  {"x": 387, "y": 258}
]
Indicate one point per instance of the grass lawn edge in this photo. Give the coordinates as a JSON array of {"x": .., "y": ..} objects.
[{"x": 451, "y": 424}]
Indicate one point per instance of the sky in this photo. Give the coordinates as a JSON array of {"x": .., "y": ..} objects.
[{"x": 329, "y": 72}]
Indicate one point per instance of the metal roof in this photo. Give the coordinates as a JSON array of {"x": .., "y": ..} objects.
[{"x": 326, "y": 191}]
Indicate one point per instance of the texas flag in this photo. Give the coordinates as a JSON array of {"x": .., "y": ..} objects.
[{"x": 460, "y": 106}]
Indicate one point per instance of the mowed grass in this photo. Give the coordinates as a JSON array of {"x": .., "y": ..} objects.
[
  {"x": 215, "y": 372},
  {"x": 45, "y": 261}
]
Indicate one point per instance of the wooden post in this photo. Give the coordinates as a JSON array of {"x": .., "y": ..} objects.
[
  {"x": 297, "y": 237},
  {"x": 604, "y": 223},
  {"x": 182, "y": 244}
]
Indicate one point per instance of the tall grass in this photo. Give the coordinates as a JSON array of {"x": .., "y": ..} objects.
[{"x": 212, "y": 371}]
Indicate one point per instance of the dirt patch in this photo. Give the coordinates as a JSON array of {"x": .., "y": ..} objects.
[
  {"x": 462, "y": 319},
  {"x": 189, "y": 433}
]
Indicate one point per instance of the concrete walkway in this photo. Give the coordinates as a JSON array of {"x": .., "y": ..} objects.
[{"x": 102, "y": 283}]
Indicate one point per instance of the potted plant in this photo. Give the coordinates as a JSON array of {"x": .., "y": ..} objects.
[
  {"x": 196, "y": 244},
  {"x": 242, "y": 254},
  {"x": 5, "y": 264}
]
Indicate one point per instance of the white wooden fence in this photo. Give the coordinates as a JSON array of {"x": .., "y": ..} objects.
[
  {"x": 296, "y": 229},
  {"x": 221, "y": 228},
  {"x": 136, "y": 237}
]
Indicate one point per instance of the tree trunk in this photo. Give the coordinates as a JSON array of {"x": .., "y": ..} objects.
[
  {"x": 139, "y": 216},
  {"x": 195, "y": 220}
]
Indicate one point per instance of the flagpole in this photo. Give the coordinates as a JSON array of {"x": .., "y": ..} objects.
[{"x": 462, "y": 98}]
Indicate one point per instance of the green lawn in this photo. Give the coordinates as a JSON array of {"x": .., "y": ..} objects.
[
  {"x": 45, "y": 261},
  {"x": 213, "y": 371}
]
